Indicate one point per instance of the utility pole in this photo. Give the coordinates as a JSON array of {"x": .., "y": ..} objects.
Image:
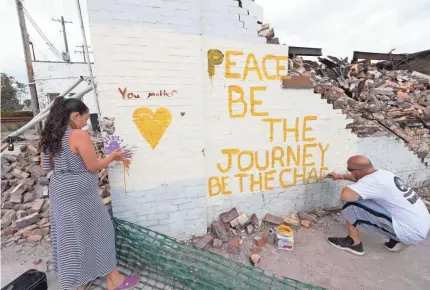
[
  {"x": 29, "y": 64},
  {"x": 83, "y": 52},
  {"x": 63, "y": 24}
]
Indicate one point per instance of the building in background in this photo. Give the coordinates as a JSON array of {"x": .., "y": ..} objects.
[{"x": 54, "y": 77}]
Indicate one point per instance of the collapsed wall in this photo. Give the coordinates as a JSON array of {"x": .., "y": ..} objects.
[{"x": 189, "y": 88}]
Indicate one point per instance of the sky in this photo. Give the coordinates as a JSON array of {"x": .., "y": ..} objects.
[{"x": 337, "y": 26}]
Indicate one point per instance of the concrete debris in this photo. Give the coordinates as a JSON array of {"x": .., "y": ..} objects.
[
  {"x": 242, "y": 219},
  {"x": 379, "y": 101},
  {"x": 25, "y": 209}
]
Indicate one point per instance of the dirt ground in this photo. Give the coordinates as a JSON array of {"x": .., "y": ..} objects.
[{"x": 312, "y": 261}]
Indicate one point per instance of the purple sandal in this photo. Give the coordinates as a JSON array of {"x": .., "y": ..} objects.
[{"x": 129, "y": 282}]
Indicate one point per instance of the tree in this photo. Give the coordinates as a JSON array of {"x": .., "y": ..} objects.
[{"x": 10, "y": 91}]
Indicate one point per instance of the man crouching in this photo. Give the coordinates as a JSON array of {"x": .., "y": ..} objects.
[{"x": 379, "y": 201}]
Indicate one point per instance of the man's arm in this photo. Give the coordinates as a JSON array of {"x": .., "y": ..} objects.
[
  {"x": 336, "y": 176},
  {"x": 349, "y": 195}
]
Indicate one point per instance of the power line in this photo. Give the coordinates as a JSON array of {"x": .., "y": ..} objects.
[
  {"x": 39, "y": 31},
  {"x": 53, "y": 48},
  {"x": 83, "y": 51}
]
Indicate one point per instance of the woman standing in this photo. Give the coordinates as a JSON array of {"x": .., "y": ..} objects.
[{"x": 82, "y": 233}]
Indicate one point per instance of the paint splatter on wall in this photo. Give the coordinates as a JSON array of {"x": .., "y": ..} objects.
[{"x": 113, "y": 143}]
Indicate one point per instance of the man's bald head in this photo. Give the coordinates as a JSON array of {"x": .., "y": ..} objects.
[
  {"x": 359, "y": 162},
  {"x": 360, "y": 166}
]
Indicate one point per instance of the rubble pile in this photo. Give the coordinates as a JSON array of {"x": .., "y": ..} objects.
[
  {"x": 24, "y": 196},
  {"x": 234, "y": 229},
  {"x": 380, "y": 102},
  {"x": 242, "y": 236}
]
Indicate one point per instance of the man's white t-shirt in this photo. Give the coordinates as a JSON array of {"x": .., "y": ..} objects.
[{"x": 411, "y": 219}]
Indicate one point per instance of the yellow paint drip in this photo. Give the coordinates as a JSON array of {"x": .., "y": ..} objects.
[{"x": 215, "y": 57}]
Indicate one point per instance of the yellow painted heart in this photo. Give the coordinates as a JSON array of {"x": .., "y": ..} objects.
[{"x": 152, "y": 125}]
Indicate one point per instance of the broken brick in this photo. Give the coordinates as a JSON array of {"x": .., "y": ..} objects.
[
  {"x": 255, "y": 221},
  {"x": 37, "y": 205},
  {"x": 292, "y": 221},
  {"x": 260, "y": 241},
  {"x": 203, "y": 242},
  {"x": 273, "y": 219},
  {"x": 219, "y": 230},
  {"x": 20, "y": 174},
  {"x": 34, "y": 239},
  {"x": 28, "y": 220},
  {"x": 308, "y": 217},
  {"x": 242, "y": 219},
  {"x": 228, "y": 216},
  {"x": 305, "y": 223}
]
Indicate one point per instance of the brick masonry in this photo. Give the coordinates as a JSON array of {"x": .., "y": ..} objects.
[{"x": 179, "y": 179}]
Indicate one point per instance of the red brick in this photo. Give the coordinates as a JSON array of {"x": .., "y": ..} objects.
[
  {"x": 260, "y": 241},
  {"x": 273, "y": 219},
  {"x": 228, "y": 216}
]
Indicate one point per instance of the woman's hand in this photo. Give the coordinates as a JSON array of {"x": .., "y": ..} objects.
[{"x": 118, "y": 155}]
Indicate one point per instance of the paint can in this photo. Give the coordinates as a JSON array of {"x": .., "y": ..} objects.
[{"x": 284, "y": 238}]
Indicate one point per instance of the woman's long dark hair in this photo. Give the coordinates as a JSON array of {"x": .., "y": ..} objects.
[{"x": 57, "y": 122}]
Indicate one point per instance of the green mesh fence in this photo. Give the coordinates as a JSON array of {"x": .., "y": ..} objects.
[{"x": 165, "y": 263}]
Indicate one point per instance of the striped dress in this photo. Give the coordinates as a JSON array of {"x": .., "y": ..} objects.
[{"x": 82, "y": 233}]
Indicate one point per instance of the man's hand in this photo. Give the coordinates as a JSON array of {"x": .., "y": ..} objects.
[{"x": 335, "y": 176}]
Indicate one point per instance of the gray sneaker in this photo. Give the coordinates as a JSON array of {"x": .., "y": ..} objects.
[{"x": 347, "y": 244}]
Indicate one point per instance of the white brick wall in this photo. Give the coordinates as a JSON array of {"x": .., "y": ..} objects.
[
  {"x": 148, "y": 46},
  {"x": 56, "y": 77}
]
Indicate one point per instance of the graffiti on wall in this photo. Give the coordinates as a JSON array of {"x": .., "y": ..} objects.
[
  {"x": 128, "y": 95},
  {"x": 132, "y": 96},
  {"x": 162, "y": 93},
  {"x": 215, "y": 57},
  {"x": 152, "y": 125},
  {"x": 300, "y": 162}
]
